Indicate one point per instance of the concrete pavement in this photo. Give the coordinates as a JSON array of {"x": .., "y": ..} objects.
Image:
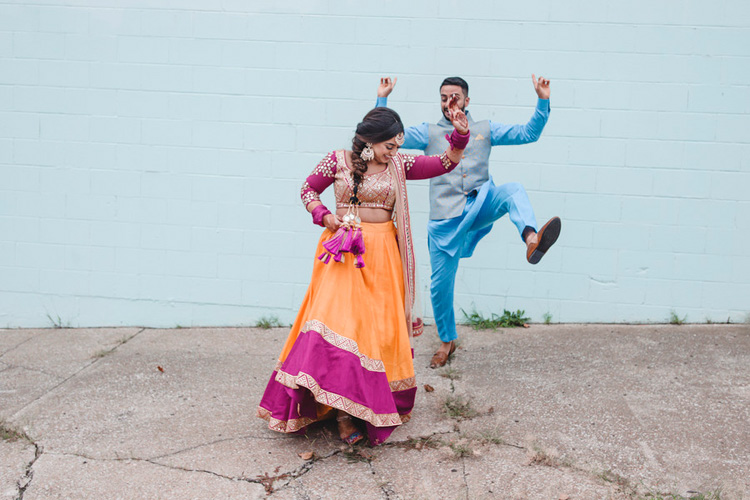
[{"x": 547, "y": 412}]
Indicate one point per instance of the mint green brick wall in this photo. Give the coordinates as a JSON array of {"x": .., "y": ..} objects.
[{"x": 151, "y": 153}]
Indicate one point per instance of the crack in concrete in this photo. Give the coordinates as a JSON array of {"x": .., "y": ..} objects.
[
  {"x": 466, "y": 481},
  {"x": 202, "y": 445},
  {"x": 295, "y": 474},
  {"x": 24, "y": 483},
  {"x": 19, "y": 345},
  {"x": 264, "y": 480},
  {"x": 385, "y": 486},
  {"x": 35, "y": 370},
  {"x": 85, "y": 367}
]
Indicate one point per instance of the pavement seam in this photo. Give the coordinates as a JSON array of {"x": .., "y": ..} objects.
[
  {"x": 19, "y": 345},
  {"x": 85, "y": 367},
  {"x": 35, "y": 370}
]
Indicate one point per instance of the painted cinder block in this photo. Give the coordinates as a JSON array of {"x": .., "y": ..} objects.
[
  {"x": 40, "y": 256},
  {"x": 171, "y": 142},
  {"x": 18, "y": 280},
  {"x": 171, "y": 23}
]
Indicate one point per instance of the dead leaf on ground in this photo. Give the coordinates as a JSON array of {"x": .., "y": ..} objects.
[
  {"x": 160, "y": 369},
  {"x": 428, "y": 388},
  {"x": 526, "y": 325},
  {"x": 306, "y": 455}
]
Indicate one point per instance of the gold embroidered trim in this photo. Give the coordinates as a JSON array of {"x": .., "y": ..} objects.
[
  {"x": 404, "y": 384},
  {"x": 281, "y": 425},
  {"x": 344, "y": 343},
  {"x": 447, "y": 163},
  {"x": 409, "y": 161},
  {"x": 308, "y": 194},
  {"x": 337, "y": 401},
  {"x": 375, "y": 190}
]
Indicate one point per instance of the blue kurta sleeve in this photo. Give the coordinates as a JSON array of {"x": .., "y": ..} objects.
[
  {"x": 506, "y": 135},
  {"x": 414, "y": 137}
]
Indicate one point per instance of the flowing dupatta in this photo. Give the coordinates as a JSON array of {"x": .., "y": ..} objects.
[{"x": 406, "y": 247}]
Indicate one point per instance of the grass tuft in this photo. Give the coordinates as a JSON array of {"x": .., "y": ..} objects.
[
  {"x": 692, "y": 495},
  {"x": 450, "y": 373},
  {"x": 491, "y": 437},
  {"x": 676, "y": 320},
  {"x": 8, "y": 433},
  {"x": 268, "y": 322},
  {"x": 537, "y": 456},
  {"x": 547, "y": 317},
  {"x": 459, "y": 408},
  {"x": 57, "y": 322},
  {"x": 507, "y": 320},
  {"x": 461, "y": 448}
]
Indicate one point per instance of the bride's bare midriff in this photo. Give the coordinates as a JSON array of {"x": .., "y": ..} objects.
[{"x": 369, "y": 214}]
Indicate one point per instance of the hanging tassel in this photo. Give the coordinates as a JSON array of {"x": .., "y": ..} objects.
[
  {"x": 333, "y": 245},
  {"x": 347, "y": 245},
  {"x": 360, "y": 261},
  {"x": 358, "y": 243},
  {"x": 358, "y": 247}
]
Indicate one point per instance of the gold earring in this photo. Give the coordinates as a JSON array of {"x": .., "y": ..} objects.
[{"x": 367, "y": 153}]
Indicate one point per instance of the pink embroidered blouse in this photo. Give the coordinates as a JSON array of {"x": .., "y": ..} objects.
[{"x": 376, "y": 190}]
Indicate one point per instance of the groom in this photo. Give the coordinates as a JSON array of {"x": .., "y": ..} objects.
[{"x": 465, "y": 202}]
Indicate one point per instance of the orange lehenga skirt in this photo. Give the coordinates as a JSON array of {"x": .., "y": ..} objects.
[{"x": 349, "y": 347}]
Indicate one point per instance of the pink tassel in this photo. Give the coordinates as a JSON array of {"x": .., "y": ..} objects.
[
  {"x": 333, "y": 245},
  {"x": 344, "y": 240},
  {"x": 358, "y": 243},
  {"x": 347, "y": 245},
  {"x": 360, "y": 261}
]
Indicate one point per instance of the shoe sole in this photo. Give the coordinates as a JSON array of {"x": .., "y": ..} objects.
[{"x": 549, "y": 234}]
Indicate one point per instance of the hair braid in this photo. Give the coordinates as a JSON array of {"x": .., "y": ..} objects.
[{"x": 360, "y": 165}]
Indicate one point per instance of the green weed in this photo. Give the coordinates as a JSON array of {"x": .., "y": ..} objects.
[
  {"x": 450, "y": 373},
  {"x": 8, "y": 433},
  {"x": 692, "y": 495},
  {"x": 459, "y": 408},
  {"x": 57, "y": 322},
  {"x": 268, "y": 322},
  {"x": 676, "y": 320},
  {"x": 507, "y": 320}
]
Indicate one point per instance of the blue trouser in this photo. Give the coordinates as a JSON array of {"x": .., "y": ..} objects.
[{"x": 508, "y": 199}]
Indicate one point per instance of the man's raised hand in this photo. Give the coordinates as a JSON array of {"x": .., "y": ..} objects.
[
  {"x": 541, "y": 86},
  {"x": 458, "y": 117},
  {"x": 386, "y": 86}
]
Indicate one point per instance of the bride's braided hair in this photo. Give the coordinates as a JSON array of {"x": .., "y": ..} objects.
[{"x": 379, "y": 125}]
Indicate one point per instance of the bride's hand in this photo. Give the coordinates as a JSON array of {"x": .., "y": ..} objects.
[{"x": 458, "y": 117}]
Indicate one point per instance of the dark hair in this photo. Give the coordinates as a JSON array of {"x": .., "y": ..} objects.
[
  {"x": 379, "y": 125},
  {"x": 457, "y": 80}
]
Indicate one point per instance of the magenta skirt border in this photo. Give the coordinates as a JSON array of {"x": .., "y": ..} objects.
[{"x": 319, "y": 371}]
